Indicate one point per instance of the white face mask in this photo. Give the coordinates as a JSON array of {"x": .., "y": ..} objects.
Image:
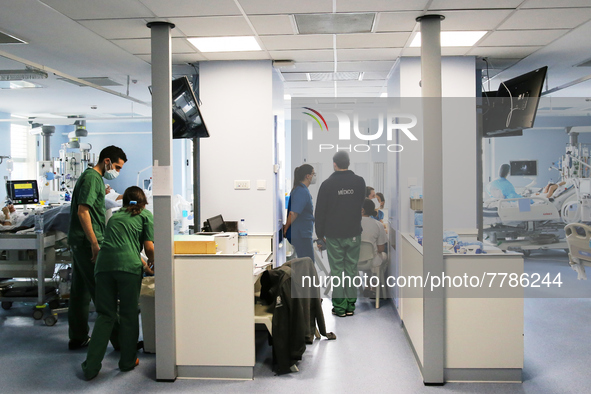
[
  {"x": 313, "y": 180},
  {"x": 376, "y": 202},
  {"x": 111, "y": 174}
]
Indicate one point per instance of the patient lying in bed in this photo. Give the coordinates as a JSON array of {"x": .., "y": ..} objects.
[{"x": 11, "y": 217}]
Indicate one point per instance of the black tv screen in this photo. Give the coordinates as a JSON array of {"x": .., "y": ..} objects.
[
  {"x": 187, "y": 121},
  {"x": 524, "y": 167},
  {"x": 513, "y": 106}
]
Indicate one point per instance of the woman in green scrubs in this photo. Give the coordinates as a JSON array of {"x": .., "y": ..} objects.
[{"x": 118, "y": 275}]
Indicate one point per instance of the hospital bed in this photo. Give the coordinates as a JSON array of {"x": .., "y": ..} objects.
[
  {"x": 31, "y": 255},
  {"x": 578, "y": 236},
  {"x": 533, "y": 222}
]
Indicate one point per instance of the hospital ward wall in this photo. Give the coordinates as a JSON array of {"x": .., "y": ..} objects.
[
  {"x": 544, "y": 145},
  {"x": 238, "y": 110},
  {"x": 4, "y": 151}
]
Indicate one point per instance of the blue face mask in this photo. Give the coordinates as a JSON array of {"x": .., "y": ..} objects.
[{"x": 111, "y": 174}]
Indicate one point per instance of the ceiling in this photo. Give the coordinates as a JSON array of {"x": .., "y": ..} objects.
[{"x": 109, "y": 38}]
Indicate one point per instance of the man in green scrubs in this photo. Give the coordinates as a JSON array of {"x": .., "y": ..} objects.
[{"x": 87, "y": 224}]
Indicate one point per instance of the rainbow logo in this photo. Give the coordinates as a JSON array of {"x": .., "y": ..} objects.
[{"x": 315, "y": 118}]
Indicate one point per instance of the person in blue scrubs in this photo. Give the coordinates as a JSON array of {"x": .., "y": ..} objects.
[
  {"x": 503, "y": 185},
  {"x": 300, "y": 212}
]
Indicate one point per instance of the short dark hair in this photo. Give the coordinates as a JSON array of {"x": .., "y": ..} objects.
[
  {"x": 114, "y": 153},
  {"x": 369, "y": 207},
  {"x": 135, "y": 194},
  {"x": 368, "y": 190},
  {"x": 341, "y": 159}
]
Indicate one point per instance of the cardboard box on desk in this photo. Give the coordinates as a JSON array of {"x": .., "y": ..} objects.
[{"x": 194, "y": 244}]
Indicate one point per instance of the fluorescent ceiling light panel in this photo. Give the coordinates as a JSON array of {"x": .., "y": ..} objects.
[
  {"x": 453, "y": 38},
  {"x": 18, "y": 85},
  {"x": 384, "y": 94},
  {"x": 287, "y": 97},
  {"x": 225, "y": 44}
]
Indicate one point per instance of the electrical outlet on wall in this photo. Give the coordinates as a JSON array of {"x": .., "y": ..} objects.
[{"x": 241, "y": 185}]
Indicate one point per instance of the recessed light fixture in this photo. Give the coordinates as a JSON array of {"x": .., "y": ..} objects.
[
  {"x": 384, "y": 94},
  {"x": 453, "y": 38},
  {"x": 225, "y": 44},
  {"x": 287, "y": 97},
  {"x": 18, "y": 85}
]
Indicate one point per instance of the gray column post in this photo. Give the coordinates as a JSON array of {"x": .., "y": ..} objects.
[
  {"x": 433, "y": 301},
  {"x": 163, "y": 232}
]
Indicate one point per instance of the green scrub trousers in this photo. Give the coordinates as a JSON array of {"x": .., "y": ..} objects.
[
  {"x": 82, "y": 291},
  {"x": 343, "y": 255},
  {"x": 110, "y": 287}
]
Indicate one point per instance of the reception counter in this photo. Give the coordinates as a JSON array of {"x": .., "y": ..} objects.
[{"x": 483, "y": 334}]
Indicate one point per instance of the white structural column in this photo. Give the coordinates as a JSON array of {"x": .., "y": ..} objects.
[
  {"x": 162, "y": 188},
  {"x": 434, "y": 316}
]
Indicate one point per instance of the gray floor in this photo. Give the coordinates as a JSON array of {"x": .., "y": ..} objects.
[{"x": 371, "y": 353}]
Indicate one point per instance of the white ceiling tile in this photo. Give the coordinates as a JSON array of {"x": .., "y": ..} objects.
[
  {"x": 254, "y": 55},
  {"x": 181, "y": 58},
  {"x": 310, "y": 85},
  {"x": 563, "y": 18},
  {"x": 372, "y": 40},
  {"x": 143, "y": 45},
  {"x": 364, "y": 83},
  {"x": 365, "y": 66},
  {"x": 272, "y": 24},
  {"x": 214, "y": 26},
  {"x": 503, "y": 52},
  {"x": 555, "y": 4},
  {"x": 104, "y": 9},
  {"x": 172, "y": 8},
  {"x": 380, "y": 5},
  {"x": 472, "y": 4},
  {"x": 368, "y": 76},
  {"x": 396, "y": 21},
  {"x": 266, "y": 7},
  {"x": 411, "y": 52},
  {"x": 304, "y": 55},
  {"x": 521, "y": 37},
  {"x": 473, "y": 20},
  {"x": 445, "y": 51},
  {"x": 312, "y": 67},
  {"x": 122, "y": 28},
  {"x": 311, "y": 41},
  {"x": 294, "y": 76},
  {"x": 368, "y": 54}
]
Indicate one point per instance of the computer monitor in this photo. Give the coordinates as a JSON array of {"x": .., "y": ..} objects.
[
  {"x": 524, "y": 167},
  {"x": 216, "y": 224},
  {"x": 22, "y": 192}
]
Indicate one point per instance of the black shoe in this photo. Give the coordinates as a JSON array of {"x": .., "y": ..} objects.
[
  {"x": 75, "y": 345},
  {"x": 338, "y": 314}
]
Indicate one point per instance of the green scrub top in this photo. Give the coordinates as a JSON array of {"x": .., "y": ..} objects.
[
  {"x": 89, "y": 190},
  {"x": 124, "y": 239}
]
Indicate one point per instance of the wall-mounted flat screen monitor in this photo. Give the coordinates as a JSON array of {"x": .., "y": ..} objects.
[
  {"x": 187, "y": 121},
  {"x": 513, "y": 106},
  {"x": 524, "y": 168},
  {"x": 22, "y": 192}
]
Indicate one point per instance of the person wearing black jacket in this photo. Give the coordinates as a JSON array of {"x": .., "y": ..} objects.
[{"x": 338, "y": 224}]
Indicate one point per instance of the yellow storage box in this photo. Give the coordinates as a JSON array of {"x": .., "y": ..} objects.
[{"x": 194, "y": 244}]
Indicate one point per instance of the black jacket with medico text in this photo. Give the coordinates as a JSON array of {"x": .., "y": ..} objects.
[{"x": 338, "y": 205}]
